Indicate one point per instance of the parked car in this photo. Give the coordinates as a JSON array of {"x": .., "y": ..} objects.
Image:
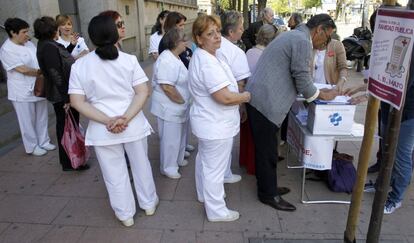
[{"x": 278, "y": 21}]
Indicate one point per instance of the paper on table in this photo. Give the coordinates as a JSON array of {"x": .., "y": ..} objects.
[{"x": 357, "y": 130}]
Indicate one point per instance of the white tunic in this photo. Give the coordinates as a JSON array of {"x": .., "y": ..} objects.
[
  {"x": 108, "y": 86},
  {"x": 210, "y": 119},
  {"x": 80, "y": 46},
  {"x": 19, "y": 86},
  {"x": 319, "y": 73},
  {"x": 155, "y": 40},
  {"x": 235, "y": 58},
  {"x": 169, "y": 69}
]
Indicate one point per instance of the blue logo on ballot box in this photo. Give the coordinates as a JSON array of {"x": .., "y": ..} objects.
[{"x": 335, "y": 119}]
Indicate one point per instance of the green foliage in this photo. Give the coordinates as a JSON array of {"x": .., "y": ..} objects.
[
  {"x": 225, "y": 4},
  {"x": 312, "y": 3},
  {"x": 281, "y": 7}
]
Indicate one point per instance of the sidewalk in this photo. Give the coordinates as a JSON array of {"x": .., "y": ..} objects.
[{"x": 40, "y": 203}]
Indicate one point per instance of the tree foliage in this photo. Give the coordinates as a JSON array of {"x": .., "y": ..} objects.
[
  {"x": 280, "y": 6},
  {"x": 312, "y": 3}
]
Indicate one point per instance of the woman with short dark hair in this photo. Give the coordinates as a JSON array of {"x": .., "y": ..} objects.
[
  {"x": 18, "y": 56},
  {"x": 110, "y": 88},
  {"x": 176, "y": 20},
  {"x": 55, "y": 61},
  {"x": 170, "y": 102}
]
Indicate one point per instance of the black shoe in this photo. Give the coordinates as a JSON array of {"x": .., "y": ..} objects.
[
  {"x": 374, "y": 168},
  {"x": 280, "y": 158},
  {"x": 278, "y": 203},
  {"x": 80, "y": 168},
  {"x": 282, "y": 191}
]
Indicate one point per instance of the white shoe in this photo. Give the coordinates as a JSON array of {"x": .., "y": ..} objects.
[
  {"x": 189, "y": 148},
  {"x": 38, "y": 151},
  {"x": 186, "y": 154},
  {"x": 151, "y": 211},
  {"x": 390, "y": 207},
  {"x": 49, "y": 147},
  {"x": 183, "y": 163},
  {"x": 233, "y": 179},
  {"x": 231, "y": 216},
  {"x": 175, "y": 175},
  {"x": 128, "y": 222}
]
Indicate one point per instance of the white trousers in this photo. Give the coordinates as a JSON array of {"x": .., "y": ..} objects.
[
  {"x": 172, "y": 145},
  {"x": 33, "y": 119},
  {"x": 115, "y": 173},
  {"x": 211, "y": 163}
]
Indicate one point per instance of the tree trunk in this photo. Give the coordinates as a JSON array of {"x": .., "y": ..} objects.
[
  {"x": 261, "y": 4},
  {"x": 246, "y": 13},
  {"x": 233, "y": 4},
  {"x": 239, "y": 5}
]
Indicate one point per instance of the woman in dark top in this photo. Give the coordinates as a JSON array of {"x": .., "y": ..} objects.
[
  {"x": 55, "y": 62},
  {"x": 176, "y": 20}
]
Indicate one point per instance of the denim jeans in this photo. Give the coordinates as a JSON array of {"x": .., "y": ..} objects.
[{"x": 403, "y": 165}]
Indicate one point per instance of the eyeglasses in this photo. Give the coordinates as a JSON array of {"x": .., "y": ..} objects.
[{"x": 120, "y": 24}]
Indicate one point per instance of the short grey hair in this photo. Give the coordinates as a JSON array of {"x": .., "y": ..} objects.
[
  {"x": 265, "y": 11},
  {"x": 266, "y": 34},
  {"x": 172, "y": 38},
  {"x": 229, "y": 21},
  {"x": 297, "y": 18}
]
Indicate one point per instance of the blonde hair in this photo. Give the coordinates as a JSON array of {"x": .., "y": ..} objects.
[
  {"x": 202, "y": 23},
  {"x": 61, "y": 19}
]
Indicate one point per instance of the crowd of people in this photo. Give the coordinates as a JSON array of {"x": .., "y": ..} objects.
[{"x": 213, "y": 89}]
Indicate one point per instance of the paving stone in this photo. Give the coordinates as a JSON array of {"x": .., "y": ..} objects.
[
  {"x": 26, "y": 183},
  {"x": 178, "y": 236},
  {"x": 3, "y": 227},
  {"x": 400, "y": 222},
  {"x": 21, "y": 233},
  {"x": 254, "y": 216},
  {"x": 183, "y": 215},
  {"x": 311, "y": 219},
  {"x": 123, "y": 234},
  {"x": 219, "y": 237},
  {"x": 188, "y": 171},
  {"x": 79, "y": 185},
  {"x": 249, "y": 235},
  {"x": 31, "y": 209},
  {"x": 88, "y": 212},
  {"x": 2, "y": 196},
  {"x": 166, "y": 188},
  {"x": 318, "y": 190},
  {"x": 22, "y": 162},
  {"x": 248, "y": 191},
  {"x": 186, "y": 190},
  {"x": 63, "y": 234},
  {"x": 410, "y": 239},
  {"x": 297, "y": 237}
]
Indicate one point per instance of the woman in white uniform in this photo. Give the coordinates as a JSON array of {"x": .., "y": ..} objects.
[
  {"x": 214, "y": 116},
  {"x": 18, "y": 56},
  {"x": 235, "y": 58},
  {"x": 109, "y": 87},
  {"x": 170, "y": 102},
  {"x": 157, "y": 34},
  {"x": 66, "y": 36}
]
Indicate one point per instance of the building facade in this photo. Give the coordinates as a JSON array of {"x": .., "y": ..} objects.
[{"x": 139, "y": 16}]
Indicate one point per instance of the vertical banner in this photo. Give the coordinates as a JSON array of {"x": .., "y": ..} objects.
[{"x": 390, "y": 55}]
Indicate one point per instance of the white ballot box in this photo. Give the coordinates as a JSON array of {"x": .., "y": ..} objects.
[{"x": 327, "y": 118}]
